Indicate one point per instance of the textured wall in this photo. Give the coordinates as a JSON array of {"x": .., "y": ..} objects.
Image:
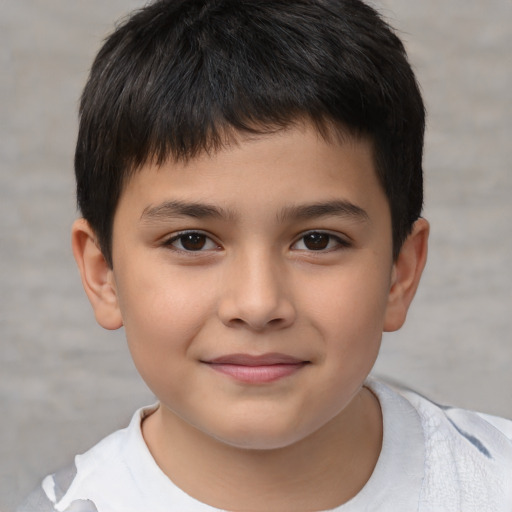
[{"x": 64, "y": 382}]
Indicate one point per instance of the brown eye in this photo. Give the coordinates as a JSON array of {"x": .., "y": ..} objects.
[
  {"x": 316, "y": 241},
  {"x": 192, "y": 241},
  {"x": 320, "y": 241}
]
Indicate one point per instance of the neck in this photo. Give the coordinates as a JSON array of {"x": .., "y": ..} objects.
[{"x": 322, "y": 471}]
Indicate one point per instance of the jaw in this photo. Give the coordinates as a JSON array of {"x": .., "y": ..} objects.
[{"x": 318, "y": 462}]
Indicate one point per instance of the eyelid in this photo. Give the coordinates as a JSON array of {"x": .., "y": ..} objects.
[
  {"x": 173, "y": 237},
  {"x": 343, "y": 242}
]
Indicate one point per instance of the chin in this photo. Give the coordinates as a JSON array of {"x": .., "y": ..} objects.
[
  {"x": 259, "y": 443},
  {"x": 266, "y": 437}
]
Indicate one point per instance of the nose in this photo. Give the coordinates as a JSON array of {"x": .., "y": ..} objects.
[{"x": 255, "y": 294}]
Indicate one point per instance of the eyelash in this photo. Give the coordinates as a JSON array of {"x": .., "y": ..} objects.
[
  {"x": 181, "y": 236},
  {"x": 339, "y": 242}
]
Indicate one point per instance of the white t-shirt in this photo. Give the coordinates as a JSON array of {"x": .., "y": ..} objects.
[{"x": 433, "y": 459}]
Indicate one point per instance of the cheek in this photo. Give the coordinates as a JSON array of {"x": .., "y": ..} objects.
[
  {"x": 354, "y": 298},
  {"x": 162, "y": 313},
  {"x": 160, "y": 330},
  {"x": 349, "y": 307}
]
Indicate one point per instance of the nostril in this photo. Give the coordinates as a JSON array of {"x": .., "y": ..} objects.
[
  {"x": 237, "y": 322},
  {"x": 274, "y": 323},
  {"x": 256, "y": 311}
]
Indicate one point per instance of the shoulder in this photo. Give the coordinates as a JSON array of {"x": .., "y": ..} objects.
[
  {"x": 467, "y": 456},
  {"x": 487, "y": 435},
  {"x": 93, "y": 476}
]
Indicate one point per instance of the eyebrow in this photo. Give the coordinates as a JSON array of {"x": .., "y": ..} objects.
[
  {"x": 335, "y": 208},
  {"x": 176, "y": 209},
  {"x": 171, "y": 209}
]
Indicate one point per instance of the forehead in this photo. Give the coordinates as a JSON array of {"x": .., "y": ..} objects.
[{"x": 275, "y": 170}]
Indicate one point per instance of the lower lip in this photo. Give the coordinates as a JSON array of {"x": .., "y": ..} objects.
[{"x": 257, "y": 374}]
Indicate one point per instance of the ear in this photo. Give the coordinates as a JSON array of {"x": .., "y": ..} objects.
[
  {"x": 406, "y": 275},
  {"x": 97, "y": 276}
]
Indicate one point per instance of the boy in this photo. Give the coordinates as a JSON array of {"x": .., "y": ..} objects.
[{"x": 249, "y": 175}]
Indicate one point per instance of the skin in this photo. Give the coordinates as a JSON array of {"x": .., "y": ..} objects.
[{"x": 225, "y": 255}]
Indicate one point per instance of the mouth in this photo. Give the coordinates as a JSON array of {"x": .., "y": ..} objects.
[{"x": 260, "y": 369}]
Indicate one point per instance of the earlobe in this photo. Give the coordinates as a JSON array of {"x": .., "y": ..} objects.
[
  {"x": 406, "y": 275},
  {"x": 97, "y": 276}
]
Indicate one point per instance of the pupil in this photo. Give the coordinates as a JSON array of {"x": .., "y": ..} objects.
[
  {"x": 193, "y": 241},
  {"x": 316, "y": 241}
]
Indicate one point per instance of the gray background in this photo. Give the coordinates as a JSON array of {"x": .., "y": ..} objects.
[{"x": 64, "y": 382}]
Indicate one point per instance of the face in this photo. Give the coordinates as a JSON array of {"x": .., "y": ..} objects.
[{"x": 253, "y": 283}]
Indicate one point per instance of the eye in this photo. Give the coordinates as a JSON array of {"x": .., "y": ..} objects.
[
  {"x": 319, "y": 241},
  {"x": 191, "y": 241}
]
